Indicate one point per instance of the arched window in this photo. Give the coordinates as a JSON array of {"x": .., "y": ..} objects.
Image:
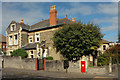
[{"x": 104, "y": 47}]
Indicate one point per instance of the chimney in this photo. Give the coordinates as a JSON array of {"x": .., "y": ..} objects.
[
  {"x": 73, "y": 19},
  {"x": 21, "y": 21},
  {"x": 53, "y": 15}
]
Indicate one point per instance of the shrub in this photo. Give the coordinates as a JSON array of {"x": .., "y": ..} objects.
[
  {"x": 103, "y": 59},
  {"x": 49, "y": 58},
  {"x": 19, "y": 52}
]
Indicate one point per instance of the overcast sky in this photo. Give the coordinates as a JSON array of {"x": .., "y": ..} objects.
[{"x": 105, "y": 14}]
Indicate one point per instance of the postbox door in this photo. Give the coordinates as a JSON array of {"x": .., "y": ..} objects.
[{"x": 83, "y": 66}]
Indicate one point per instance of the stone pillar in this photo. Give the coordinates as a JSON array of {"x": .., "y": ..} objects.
[{"x": 110, "y": 65}]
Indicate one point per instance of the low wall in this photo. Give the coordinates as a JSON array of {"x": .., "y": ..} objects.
[
  {"x": 54, "y": 65},
  {"x": 17, "y": 62},
  {"x": 97, "y": 70}
]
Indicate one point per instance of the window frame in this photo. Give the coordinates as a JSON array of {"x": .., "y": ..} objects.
[
  {"x": 13, "y": 29},
  {"x": 104, "y": 47},
  {"x": 15, "y": 41},
  {"x": 37, "y": 36},
  {"x": 10, "y": 40},
  {"x": 31, "y": 39}
]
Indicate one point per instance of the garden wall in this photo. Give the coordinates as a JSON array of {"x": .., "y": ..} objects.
[{"x": 17, "y": 62}]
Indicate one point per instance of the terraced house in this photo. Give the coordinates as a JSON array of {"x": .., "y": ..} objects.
[{"x": 36, "y": 39}]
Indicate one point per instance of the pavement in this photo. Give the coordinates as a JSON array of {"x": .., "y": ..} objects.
[{"x": 21, "y": 74}]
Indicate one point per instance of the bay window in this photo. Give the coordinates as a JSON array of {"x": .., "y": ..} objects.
[
  {"x": 10, "y": 40},
  {"x": 15, "y": 40}
]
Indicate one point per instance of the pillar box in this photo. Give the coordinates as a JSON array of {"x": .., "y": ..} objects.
[{"x": 83, "y": 64}]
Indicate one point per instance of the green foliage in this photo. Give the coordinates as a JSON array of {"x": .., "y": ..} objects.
[
  {"x": 75, "y": 40},
  {"x": 113, "y": 52},
  {"x": 119, "y": 36},
  {"x": 90, "y": 66},
  {"x": 49, "y": 58},
  {"x": 19, "y": 52},
  {"x": 103, "y": 59}
]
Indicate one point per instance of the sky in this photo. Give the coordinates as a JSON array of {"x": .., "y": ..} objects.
[{"x": 105, "y": 14}]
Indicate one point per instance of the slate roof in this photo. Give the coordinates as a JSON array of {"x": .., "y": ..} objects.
[
  {"x": 29, "y": 46},
  {"x": 2, "y": 38},
  {"x": 105, "y": 41},
  {"x": 45, "y": 24}
]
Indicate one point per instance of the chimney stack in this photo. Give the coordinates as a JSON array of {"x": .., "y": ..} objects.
[
  {"x": 73, "y": 19},
  {"x": 21, "y": 21},
  {"x": 53, "y": 15}
]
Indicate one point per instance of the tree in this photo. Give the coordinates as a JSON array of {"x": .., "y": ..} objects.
[
  {"x": 113, "y": 52},
  {"x": 119, "y": 36},
  {"x": 19, "y": 52},
  {"x": 75, "y": 40}
]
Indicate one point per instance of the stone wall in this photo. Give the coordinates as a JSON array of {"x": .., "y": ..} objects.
[
  {"x": 17, "y": 62},
  {"x": 54, "y": 65},
  {"x": 57, "y": 65}
]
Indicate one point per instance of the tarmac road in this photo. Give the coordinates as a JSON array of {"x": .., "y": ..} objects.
[{"x": 20, "y": 74}]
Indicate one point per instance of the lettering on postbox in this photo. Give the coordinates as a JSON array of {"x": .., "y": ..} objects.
[{"x": 83, "y": 66}]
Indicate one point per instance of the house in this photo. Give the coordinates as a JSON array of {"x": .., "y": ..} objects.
[
  {"x": 36, "y": 39},
  {"x": 104, "y": 46},
  {"x": 2, "y": 42},
  {"x": 117, "y": 43}
]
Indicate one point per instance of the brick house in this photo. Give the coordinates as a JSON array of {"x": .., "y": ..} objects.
[
  {"x": 36, "y": 39},
  {"x": 2, "y": 42}
]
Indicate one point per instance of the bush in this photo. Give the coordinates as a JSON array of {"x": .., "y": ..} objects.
[
  {"x": 19, "y": 52},
  {"x": 103, "y": 59},
  {"x": 48, "y": 58},
  {"x": 90, "y": 66}
]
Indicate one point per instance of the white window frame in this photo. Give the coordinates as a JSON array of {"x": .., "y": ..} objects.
[
  {"x": 104, "y": 47},
  {"x": 12, "y": 27},
  {"x": 15, "y": 40},
  {"x": 31, "y": 54},
  {"x": 37, "y": 36},
  {"x": 30, "y": 39},
  {"x": 3, "y": 46},
  {"x": 10, "y": 40}
]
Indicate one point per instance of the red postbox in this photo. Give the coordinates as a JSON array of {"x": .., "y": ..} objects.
[{"x": 83, "y": 66}]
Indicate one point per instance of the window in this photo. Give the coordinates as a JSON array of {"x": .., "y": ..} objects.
[
  {"x": 13, "y": 27},
  {"x": 37, "y": 37},
  {"x": 15, "y": 40},
  {"x": 3, "y": 46},
  {"x": 30, "y": 40},
  {"x": 104, "y": 47},
  {"x": 10, "y": 40},
  {"x": 10, "y": 52},
  {"x": 31, "y": 54}
]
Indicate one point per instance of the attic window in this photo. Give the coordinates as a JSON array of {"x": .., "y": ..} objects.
[
  {"x": 12, "y": 27},
  {"x": 104, "y": 47}
]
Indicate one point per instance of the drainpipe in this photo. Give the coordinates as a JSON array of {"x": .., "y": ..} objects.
[{"x": 27, "y": 37}]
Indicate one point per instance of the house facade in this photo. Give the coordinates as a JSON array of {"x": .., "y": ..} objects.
[{"x": 36, "y": 39}]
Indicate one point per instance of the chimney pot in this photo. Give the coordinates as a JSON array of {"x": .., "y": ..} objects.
[
  {"x": 22, "y": 21},
  {"x": 73, "y": 19}
]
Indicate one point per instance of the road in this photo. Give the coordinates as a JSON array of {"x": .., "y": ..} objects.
[{"x": 20, "y": 74}]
